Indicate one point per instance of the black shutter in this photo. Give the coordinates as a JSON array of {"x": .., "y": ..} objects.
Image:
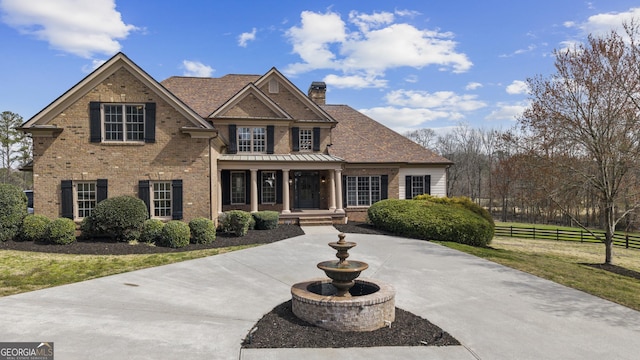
[
  {"x": 316, "y": 139},
  {"x": 150, "y": 123},
  {"x": 295, "y": 138},
  {"x": 226, "y": 187},
  {"x": 270, "y": 139},
  {"x": 344, "y": 191},
  {"x": 407, "y": 189},
  {"x": 259, "y": 187},
  {"x": 144, "y": 194},
  {"x": 247, "y": 187},
  {"x": 233, "y": 140},
  {"x": 66, "y": 199},
  {"x": 95, "y": 125},
  {"x": 176, "y": 199},
  {"x": 279, "y": 187},
  {"x": 427, "y": 184},
  {"x": 384, "y": 187},
  {"x": 101, "y": 190}
]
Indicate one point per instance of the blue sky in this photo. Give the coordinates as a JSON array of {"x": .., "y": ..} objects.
[{"x": 408, "y": 64}]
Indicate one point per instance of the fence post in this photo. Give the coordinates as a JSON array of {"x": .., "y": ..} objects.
[
  {"x": 581, "y": 238},
  {"x": 511, "y": 231},
  {"x": 534, "y": 233},
  {"x": 557, "y": 234},
  {"x": 626, "y": 240}
]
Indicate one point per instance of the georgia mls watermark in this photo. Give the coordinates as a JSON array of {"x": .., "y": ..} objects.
[{"x": 26, "y": 350}]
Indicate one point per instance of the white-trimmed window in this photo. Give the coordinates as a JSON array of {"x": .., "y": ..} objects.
[
  {"x": 268, "y": 182},
  {"x": 85, "y": 198},
  {"x": 306, "y": 139},
  {"x": 161, "y": 199},
  {"x": 123, "y": 122},
  {"x": 253, "y": 140},
  {"x": 238, "y": 187},
  {"x": 417, "y": 186},
  {"x": 363, "y": 190}
]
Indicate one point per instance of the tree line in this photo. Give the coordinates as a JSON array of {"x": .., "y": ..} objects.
[{"x": 15, "y": 151}]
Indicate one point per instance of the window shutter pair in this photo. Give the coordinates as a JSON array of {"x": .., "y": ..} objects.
[
  {"x": 144, "y": 193},
  {"x": 425, "y": 190},
  {"x": 95, "y": 122},
  {"x": 66, "y": 187},
  {"x": 295, "y": 138}
]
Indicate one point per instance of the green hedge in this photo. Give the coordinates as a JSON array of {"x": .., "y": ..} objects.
[
  {"x": 34, "y": 228},
  {"x": 175, "y": 234},
  {"x": 428, "y": 220},
  {"x": 266, "y": 220},
  {"x": 236, "y": 221},
  {"x": 120, "y": 217},
  {"x": 151, "y": 231},
  {"x": 13, "y": 208},
  {"x": 62, "y": 231},
  {"x": 460, "y": 201},
  {"x": 203, "y": 231}
]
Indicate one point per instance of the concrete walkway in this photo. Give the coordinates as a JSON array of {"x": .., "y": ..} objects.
[{"x": 202, "y": 309}]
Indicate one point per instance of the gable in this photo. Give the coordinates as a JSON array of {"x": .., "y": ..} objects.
[
  {"x": 250, "y": 103},
  {"x": 123, "y": 72}
]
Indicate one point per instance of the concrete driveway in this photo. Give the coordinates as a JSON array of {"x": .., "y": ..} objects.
[{"x": 202, "y": 309}]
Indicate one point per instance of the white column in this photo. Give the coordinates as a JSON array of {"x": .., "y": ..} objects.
[
  {"x": 338, "y": 175},
  {"x": 254, "y": 190},
  {"x": 332, "y": 191},
  {"x": 285, "y": 192}
]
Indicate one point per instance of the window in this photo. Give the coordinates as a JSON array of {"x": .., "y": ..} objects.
[
  {"x": 252, "y": 139},
  {"x": 85, "y": 199},
  {"x": 161, "y": 199},
  {"x": 123, "y": 122},
  {"x": 417, "y": 185},
  {"x": 268, "y": 187},
  {"x": 363, "y": 190},
  {"x": 238, "y": 186},
  {"x": 306, "y": 139},
  {"x": 274, "y": 86}
]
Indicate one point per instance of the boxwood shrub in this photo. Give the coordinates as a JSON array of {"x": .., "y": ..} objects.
[
  {"x": 61, "y": 231},
  {"x": 13, "y": 208},
  {"x": 151, "y": 230},
  {"x": 34, "y": 228},
  {"x": 120, "y": 217},
  {"x": 175, "y": 234},
  {"x": 236, "y": 221},
  {"x": 266, "y": 220},
  {"x": 428, "y": 220},
  {"x": 203, "y": 231}
]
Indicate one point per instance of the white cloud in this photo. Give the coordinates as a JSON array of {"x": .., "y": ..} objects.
[
  {"x": 96, "y": 63},
  {"x": 473, "y": 86},
  {"x": 244, "y": 38},
  {"x": 83, "y": 28},
  {"x": 517, "y": 87},
  {"x": 601, "y": 24},
  {"x": 507, "y": 111},
  {"x": 446, "y": 101},
  {"x": 196, "y": 69},
  {"x": 405, "y": 118},
  {"x": 370, "y": 43},
  {"x": 354, "y": 81}
]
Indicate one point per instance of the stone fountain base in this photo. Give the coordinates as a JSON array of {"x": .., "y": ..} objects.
[{"x": 371, "y": 305}]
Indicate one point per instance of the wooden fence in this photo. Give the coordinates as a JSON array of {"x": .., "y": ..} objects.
[{"x": 629, "y": 241}]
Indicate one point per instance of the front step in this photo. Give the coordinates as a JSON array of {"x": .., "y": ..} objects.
[{"x": 316, "y": 221}]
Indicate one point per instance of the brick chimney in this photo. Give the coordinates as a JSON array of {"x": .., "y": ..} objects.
[{"x": 317, "y": 92}]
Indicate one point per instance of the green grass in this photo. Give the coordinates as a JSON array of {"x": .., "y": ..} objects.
[
  {"x": 562, "y": 262},
  {"x": 27, "y": 271}
]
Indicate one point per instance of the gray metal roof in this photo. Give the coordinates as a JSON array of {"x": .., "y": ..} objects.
[{"x": 311, "y": 157}]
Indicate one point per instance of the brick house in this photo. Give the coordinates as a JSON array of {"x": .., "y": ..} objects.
[{"x": 195, "y": 147}]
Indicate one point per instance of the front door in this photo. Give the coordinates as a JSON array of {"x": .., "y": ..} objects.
[{"x": 307, "y": 190}]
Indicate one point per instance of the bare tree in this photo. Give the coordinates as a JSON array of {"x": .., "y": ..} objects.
[
  {"x": 425, "y": 137},
  {"x": 585, "y": 124}
]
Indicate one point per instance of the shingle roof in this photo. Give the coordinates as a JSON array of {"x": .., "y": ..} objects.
[
  {"x": 359, "y": 139},
  {"x": 205, "y": 95}
]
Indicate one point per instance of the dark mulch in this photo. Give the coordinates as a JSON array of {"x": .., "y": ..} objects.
[
  {"x": 617, "y": 270},
  {"x": 109, "y": 247},
  {"x": 280, "y": 328}
]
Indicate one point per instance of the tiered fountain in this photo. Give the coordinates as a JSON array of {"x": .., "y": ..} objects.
[{"x": 343, "y": 302}]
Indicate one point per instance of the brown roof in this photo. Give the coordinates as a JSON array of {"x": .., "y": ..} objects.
[
  {"x": 205, "y": 95},
  {"x": 359, "y": 139}
]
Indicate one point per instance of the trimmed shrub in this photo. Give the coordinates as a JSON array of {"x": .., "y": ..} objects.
[
  {"x": 151, "y": 230},
  {"x": 236, "y": 221},
  {"x": 431, "y": 221},
  {"x": 13, "y": 208},
  {"x": 34, "y": 228},
  {"x": 61, "y": 231},
  {"x": 203, "y": 231},
  {"x": 120, "y": 217},
  {"x": 461, "y": 201},
  {"x": 266, "y": 220},
  {"x": 175, "y": 234}
]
